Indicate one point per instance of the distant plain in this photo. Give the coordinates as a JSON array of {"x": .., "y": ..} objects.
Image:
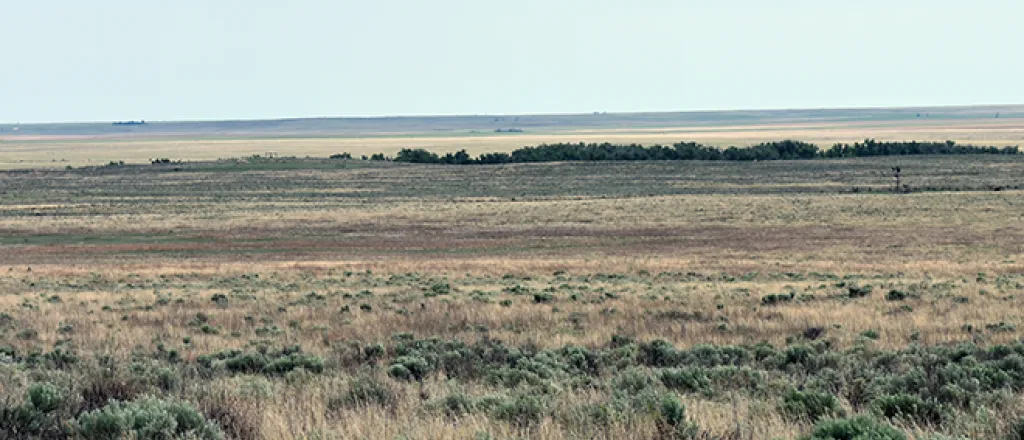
[
  {"x": 283, "y": 298},
  {"x": 61, "y": 145}
]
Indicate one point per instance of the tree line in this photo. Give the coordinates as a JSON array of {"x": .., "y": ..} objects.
[{"x": 780, "y": 150}]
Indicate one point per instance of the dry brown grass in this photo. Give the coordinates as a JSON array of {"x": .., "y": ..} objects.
[
  {"x": 686, "y": 310},
  {"x": 676, "y": 308},
  {"x": 133, "y": 270},
  {"x": 939, "y": 234}
]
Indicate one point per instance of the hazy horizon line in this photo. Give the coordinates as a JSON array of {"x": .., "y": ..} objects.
[{"x": 468, "y": 115}]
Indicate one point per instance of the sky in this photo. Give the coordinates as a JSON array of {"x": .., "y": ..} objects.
[{"x": 103, "y": 60}]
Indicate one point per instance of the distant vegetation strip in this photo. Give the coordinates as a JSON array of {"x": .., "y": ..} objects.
[{"x": 781, "y": 150}]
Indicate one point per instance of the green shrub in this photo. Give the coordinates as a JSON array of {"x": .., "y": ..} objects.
[
  {"x": 909, "y": 407},
  {"x": 1001, "y": 327},
  {"x": 456, "y": 404},
  {"x": 417, "y": 367},
  {"x": 632, "y": 382},
  {"x": 896, "y": 295},
  {"x": 37, "y": 417},
  {"x": 857, "y": 428},
  {"x": 657, "y": 353},
  {"x": 858, "y": 292},
  {"x": 776, "y": 298},
  {"x": 291, "y": 362},
  {"x": 522, "y": 410},
  {"x": 399, "y": 371},
  {"x": 438, "y": 289},
  {"x": 812, "y": 333},
  {"x": 27, "y": 334},
  {"x": 513, "y": 377},
  {"x": 672, "y": 423},
  {"x": 24, "y": 422},
  {"x": 220, "y": 299},
  {"x": 147, "y": 418},
  {"x": 155, "y": 373},
  {"x": 810, "y": 405},
  {"x": 45, "y": 397},
  {"x": 691, "y": 380},
  {"x": 270, "y": 363},
  {"x": 364, "y": 391},
  {"x": 373, "y": 352},
  {"x": 542, "y": 298}
]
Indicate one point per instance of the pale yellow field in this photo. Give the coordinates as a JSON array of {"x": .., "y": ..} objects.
[{"x": 61, "y": 151}]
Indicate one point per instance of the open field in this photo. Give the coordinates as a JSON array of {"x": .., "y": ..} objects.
[
  {"x": 353, "y": 299},
  {"x": 60, "y": 145}
]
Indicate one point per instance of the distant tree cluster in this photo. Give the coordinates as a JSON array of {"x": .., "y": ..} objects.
[
  {"x": 871, "y": 147},
  {"x": 781, "y": 150},
  {"x": 420, "y": 155}
]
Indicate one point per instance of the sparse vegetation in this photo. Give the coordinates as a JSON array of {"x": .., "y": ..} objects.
[{"x": 614, "y": 300}]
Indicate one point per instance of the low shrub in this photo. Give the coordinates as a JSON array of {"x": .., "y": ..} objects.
[
  {"x": 632, "y": 382},
  {"x": 896, "y": 295},
  {"x": 857, "y": 428},
  {"x": 364, "y": 391},
  {"x": 690, "y": 380},
  {"x": 522, "y": 410},
  {"x": 269, "y": 363},
  {"x": 810, "y": 405},
  {"x": 910, "y": 408},
  {"x": 672, "y": 423},
  {"x": 410, "y": 367},
  {"x": 39, "y": 417},
  {"x": 455, "y": 405},
  {"x": 399, "y": 371},
  {"x": 147, "y": 418},
  {"x": 858, "y": 291},
  {"x": 777, "y": 298},
  {"x": 542, "y": 298}
]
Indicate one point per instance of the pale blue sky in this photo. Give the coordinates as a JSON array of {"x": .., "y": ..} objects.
[{"x": 72, "y": 60}]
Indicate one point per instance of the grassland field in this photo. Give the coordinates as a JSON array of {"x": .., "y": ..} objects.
[
  {"x": 61, "y": 145},
  {"x": 334, "y": 299}
]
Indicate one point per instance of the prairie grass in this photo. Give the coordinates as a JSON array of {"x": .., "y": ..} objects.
[{"x": 545, "y": 301}]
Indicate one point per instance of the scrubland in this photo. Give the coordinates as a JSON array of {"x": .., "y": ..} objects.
[{"x": 288, "y": 298}]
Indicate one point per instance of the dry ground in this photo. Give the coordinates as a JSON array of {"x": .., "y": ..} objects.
[{"x": 324, "y": 257}]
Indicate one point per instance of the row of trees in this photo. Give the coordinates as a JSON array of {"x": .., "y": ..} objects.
[
  {"x": 871, "y": 147},
  {"x": 781, "y": 150}
]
